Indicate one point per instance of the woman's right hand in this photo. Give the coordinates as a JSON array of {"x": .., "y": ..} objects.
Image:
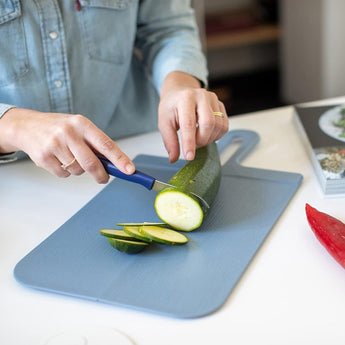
[{"x": 53, "y": 139}]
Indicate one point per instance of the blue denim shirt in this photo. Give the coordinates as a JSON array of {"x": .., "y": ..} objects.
[{"x": 105, "y": 59}]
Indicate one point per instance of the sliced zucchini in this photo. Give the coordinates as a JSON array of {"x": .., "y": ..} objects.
[
  {"x": 143, "y": 223},
  {"x": 163, "y": 235},
  {"x": 182, "y": 211},
  {"x": 177, "y": 206},
  {"x": 116, "y": 233},
  {"x": 126, "y": 246},
  {"x": 134, "y": 232}
]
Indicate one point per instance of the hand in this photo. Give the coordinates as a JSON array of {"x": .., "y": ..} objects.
[
  {"x": 52, "y": 139},
  {"x": 185, "y": 106}
]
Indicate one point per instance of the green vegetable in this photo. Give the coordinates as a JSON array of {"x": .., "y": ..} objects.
[
  {"x": 163, "y": 235},
  {"x": 133, "y": 239},
  {"x": 140, "y": 224},
  {"x": 126, "y": 246},
  {"x": 177, "y": 206},
  {"x": 134, "y": 231},
  {"x": 116, "y": 233}
]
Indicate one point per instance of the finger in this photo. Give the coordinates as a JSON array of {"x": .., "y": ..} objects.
[
  {"x": 219, "y": 121},
  {"x": 104, "y": 145},
  {"x": 45, "y": 157},
  {"x": 223, "y": 109},
  {"x": 168, "y": 130},
  {"x": 187, "y": 121},
  {"x": 72, "y": 165},
  {"x": 207, "y": 121},
  {"x": 89, "y": 162},
  {"x": 224, "y": 123},
  {"x": 89, "y": 139},
  {"x": 94, "y": 140},
  {"x": 215, "y": 126},
  {"x": 56, "y": 157},
  {"x": 51, "y": 164},
  {"x": 68, "y": 161}
]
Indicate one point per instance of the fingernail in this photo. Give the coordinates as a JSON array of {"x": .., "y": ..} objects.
[
  {"x": 130, "y": 168},
  {"x": 189, "y": 155}
]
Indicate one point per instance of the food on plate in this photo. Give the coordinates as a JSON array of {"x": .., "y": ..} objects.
[{"x": 341, "y": 122}]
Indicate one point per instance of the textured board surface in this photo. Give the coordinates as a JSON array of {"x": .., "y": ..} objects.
[{"x": 179, "y": 281}]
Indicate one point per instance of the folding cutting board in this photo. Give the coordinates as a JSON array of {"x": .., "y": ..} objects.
[{"x": 180, "y": 281}]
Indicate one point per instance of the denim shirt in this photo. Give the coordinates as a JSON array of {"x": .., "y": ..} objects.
[{"x": 104, "y": 59}]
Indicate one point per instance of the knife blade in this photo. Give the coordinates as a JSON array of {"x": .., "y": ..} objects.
[{"x": 143, "y": 179}]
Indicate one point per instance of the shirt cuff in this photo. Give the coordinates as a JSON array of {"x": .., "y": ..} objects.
[
  {"x": 5, "y": 107},
  {"x": 8, "y": 157},
  {"x": 163, "y": 68},
  {"x": 12, "y": 157}
]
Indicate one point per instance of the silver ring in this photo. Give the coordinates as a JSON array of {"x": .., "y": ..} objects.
[
  {"x": 218, "y": 113},
  {"x": 65, "y": 166}
]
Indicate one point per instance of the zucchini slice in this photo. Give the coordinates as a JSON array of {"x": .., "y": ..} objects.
[
  {"x": 177, "y": 206},
  {"x": 126, "y": 246},
  {"x": 134, "y": 232},
  {"x": 141, "y": 224},
  {"x": 163, "y": 235},
  {"x": 116, "y": 233}
]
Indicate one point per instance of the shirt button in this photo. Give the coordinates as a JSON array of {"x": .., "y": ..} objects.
[
  {"x": 53, "y": 35},
  {"x": 58, "y": 83}
]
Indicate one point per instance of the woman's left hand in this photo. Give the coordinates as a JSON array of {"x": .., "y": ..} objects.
[{"x": 197, "y": 113}]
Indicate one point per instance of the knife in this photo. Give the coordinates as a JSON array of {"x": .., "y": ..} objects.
[{"x": 143, "y": 179}]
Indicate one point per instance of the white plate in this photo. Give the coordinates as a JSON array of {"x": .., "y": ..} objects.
[{"x": 326, "y": 121}]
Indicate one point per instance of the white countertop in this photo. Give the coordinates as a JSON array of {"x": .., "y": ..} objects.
[{"x": 292, "y": 293}]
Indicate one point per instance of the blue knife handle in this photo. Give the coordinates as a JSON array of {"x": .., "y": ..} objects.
[{"x": 137, "y": 177}]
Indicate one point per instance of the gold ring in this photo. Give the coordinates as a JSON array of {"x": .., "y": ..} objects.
[
  {"x": 218, "y": 113},
  {"x": 65, "y": 166}
]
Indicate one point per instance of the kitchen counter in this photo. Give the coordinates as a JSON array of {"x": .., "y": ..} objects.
[{"x": 291, "y": 293}]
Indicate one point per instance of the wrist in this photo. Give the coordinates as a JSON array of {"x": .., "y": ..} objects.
[
  {"x": 179, "y": 80},
  {"x": 8, "y": 132}
]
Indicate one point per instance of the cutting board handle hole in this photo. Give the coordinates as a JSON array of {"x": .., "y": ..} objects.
[{"x": 231, "y": 149}]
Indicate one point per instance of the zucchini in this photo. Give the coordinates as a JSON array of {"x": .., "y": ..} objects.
[
  {"x": 127, "y": 246},
  {"x": 163, "y": 235},
  {"x": 134, "y": 232},
  {"x": 178, "y": 207},
  {"x": 143, "y": 223},
  {"x": 134, "y": 239},
  {"x": 116, "y": 233}
]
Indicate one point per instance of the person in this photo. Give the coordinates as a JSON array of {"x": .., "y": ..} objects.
[{"x": 77, "y": 75}]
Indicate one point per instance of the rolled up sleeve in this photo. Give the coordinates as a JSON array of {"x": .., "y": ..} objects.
[
  {"x": 12, "y": 156},
  {"x": 168, "y": 39},
  {"x": 5, "y": 107}
]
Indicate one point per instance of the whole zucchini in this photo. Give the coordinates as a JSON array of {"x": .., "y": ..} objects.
[{"x": 177, "y": 206}]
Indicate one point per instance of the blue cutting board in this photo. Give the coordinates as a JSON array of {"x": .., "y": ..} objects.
[{"x": 179, "y": 281}]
